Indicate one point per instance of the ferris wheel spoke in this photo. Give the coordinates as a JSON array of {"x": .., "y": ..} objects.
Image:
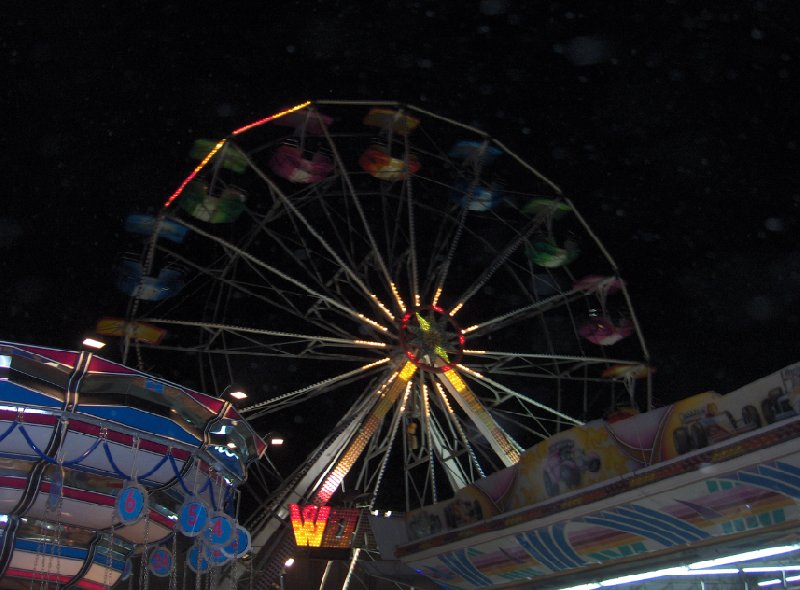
[
  {"x": 456, "y": 430},
  {"x": 526, "y": 312},
  {"x": 308, "y": 342},
  {"x": 270, "y": 295},
  {"x": 302, "y": 394},
  {"x": 501, "y": 443},
  {"x": 308, "y": 226},
  {"x": 544, "y": 366},
  {"x": 376, "y": 457},
  {"x": 498, "y": 262},
  {"x": 501, "y": 393},
  {"x": 365, "y": 225},
  {"x": 387, "y": 394},
  {"x": 289, "y": 279}
]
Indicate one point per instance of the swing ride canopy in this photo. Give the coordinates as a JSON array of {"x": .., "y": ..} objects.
[{"x": 97, "y": 459}]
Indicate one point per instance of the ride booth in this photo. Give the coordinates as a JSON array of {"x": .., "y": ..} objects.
[{"x": 108, "y": 474}]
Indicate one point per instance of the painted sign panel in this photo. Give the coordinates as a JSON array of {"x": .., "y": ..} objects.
[{"x": 703, "y": 468}]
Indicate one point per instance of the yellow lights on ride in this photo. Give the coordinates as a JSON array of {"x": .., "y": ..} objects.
[
  {"x": 372, "y": 323},
  {"x": 388, "y": 394},
  {"x": 221, "y": 143},
  {"x": 474, "y": 406},
  {"x": 370, "y": 343},
  {"x": 456, "y": 309},
  {"x": 309, "y": 523},
  {"x": 436, "y": 296},
  {"x": 397, "y": 297},
  {"x": 407, "y": 371},
  {"x": 456, "y": 381},
  {"x": 382, "y": 307}
]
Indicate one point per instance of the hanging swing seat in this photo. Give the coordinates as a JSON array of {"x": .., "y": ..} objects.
[
  {"x": 552, "y": 208},
  {"x": 477, "y": 197},
  {"x": 289, "y": 162},
  {"x": 548, "y": 254},
  {"x": 146, "y": 225},
  {"x": 475, "y": 151},
  {"x": 378, "y": 162},
  {"x": 139, "y": 331},
  {"x": 130, "y": 279},
  {"x": 200, "y": 204},
  {"x": 603, "y": 331},
  {"x": 391, "y": 121}
]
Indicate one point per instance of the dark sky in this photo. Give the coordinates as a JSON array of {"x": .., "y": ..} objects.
[{"x": 673, "y": 126}]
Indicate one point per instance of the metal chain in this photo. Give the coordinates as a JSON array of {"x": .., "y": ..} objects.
[
  {"x": 40, "y": 550},
  {"x": 197, "y": 574},
  {"x": 144, "y": 575},
  {"x": 110, "y": 554},
  {"x": 173, "y": 575}
]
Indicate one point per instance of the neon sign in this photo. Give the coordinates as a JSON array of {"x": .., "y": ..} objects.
[{"x": 323, "y": 526}]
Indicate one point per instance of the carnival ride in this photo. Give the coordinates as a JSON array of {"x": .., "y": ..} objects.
[
  {"x": 411, "y": 293},
  {"x": 101, "y": 466}
]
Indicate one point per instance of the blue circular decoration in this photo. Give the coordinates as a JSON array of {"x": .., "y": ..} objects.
[
  {"x": 196, "y": 559},
  {"x": 131, "y": 503},
  {"x": 220, "y": 530},
  {"x": 160, "y": 562},
  {"x": 240, "y": 544},
  {"x": 217, "y": 556},
  {"x": 193, "y": 518}
]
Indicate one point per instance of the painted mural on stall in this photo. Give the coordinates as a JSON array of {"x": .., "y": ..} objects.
[{"x": 595, "y": 463}]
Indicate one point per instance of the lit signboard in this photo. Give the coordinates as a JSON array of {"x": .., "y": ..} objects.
[{"x": 323, "y": 526}]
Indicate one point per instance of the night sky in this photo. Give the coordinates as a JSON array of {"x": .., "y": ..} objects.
[{"x": 673, "y": 126}]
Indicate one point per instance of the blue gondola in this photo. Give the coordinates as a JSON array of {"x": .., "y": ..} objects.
[
  {"x": 144, "y": 224},
  {"x": 477, "y": 198},
  {"x": 131, "y": 280},
  {"x": 469, "y": 150}
]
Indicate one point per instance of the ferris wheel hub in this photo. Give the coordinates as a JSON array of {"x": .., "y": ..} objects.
[{"x": 431, "y": 338}]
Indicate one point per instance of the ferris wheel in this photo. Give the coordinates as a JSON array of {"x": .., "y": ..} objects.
[{"x": 401, "y": 288}]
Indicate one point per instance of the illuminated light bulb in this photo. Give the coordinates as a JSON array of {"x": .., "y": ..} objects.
[
  {"x": 373, "y": 323},
  {"x": 397, "y": 297},
  {"x": 416, "y": 300},
  {"x": 93, "y": 343},
  {"x": 407, "y": 371},
  {"x": 221, "y": 143},
  {"x": 308, "y": 523},
  {"x": 456, "y": 309},
  {"x": 238, "y": 394},
  {"x": 472, "y": 372},
  {"x": 370, "y": 343},
  {"x": 289, "y": 562},
  {"x": 194, "y": 173},
  {"x": 470, "y": 351},
  {"x": 747, "y": 556},
  {"x": 776, "y": 581},
  {"x": 442, "y": 394},
  {"x": 271, "y": 117},
  {"x": 436, "y": 296},
  {"x": 470, "y": 329},
  {"x": 455, "y": 380}
]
